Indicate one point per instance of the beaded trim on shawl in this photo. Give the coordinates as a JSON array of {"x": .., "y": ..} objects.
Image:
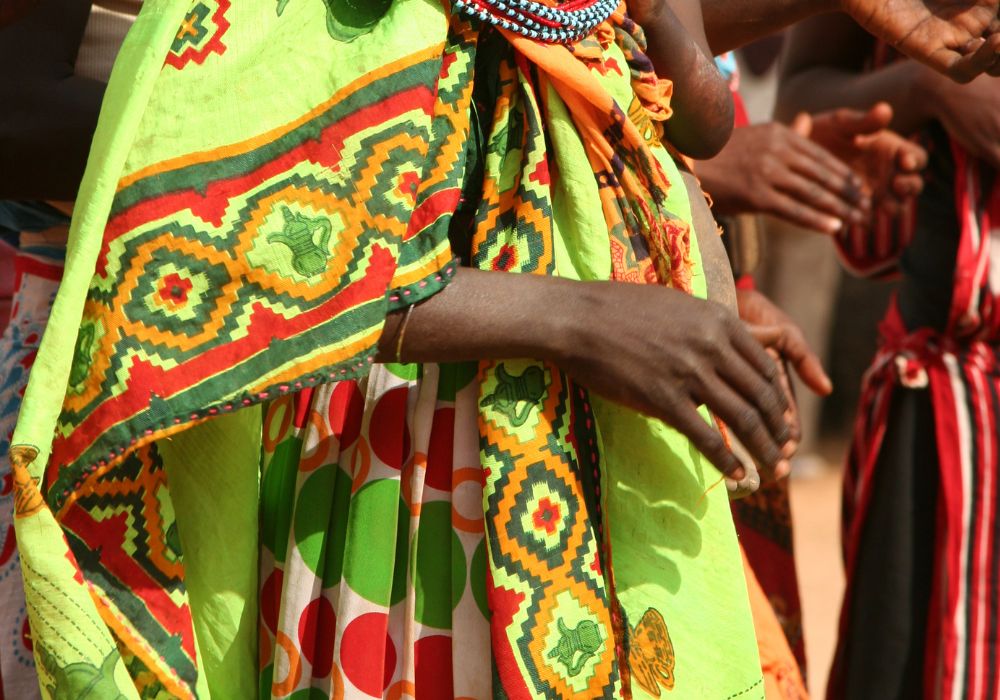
[{"x": 568, "y": 23}]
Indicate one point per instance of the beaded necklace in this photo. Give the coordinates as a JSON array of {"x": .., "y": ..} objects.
[{"x": 568, "y": 23}]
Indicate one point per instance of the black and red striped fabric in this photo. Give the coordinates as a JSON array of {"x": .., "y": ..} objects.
[{"x": 958, "y": 366}]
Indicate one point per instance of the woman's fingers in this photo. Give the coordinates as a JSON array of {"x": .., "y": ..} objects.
[
  {"x": 815, "y": 195},
  {"x": 784, "y": 207},
  {"x": 753, "y": 352},
  {"x": 770, "y": 402},
  {"x": 907, "y": 186},
  {"x": 746, "y": 422},
  {"x": 980, "y": 57},
  {"x": 788, "y": 341},
  {"x": 846, "y": 122},
  {"x": 792, "y": 414},
  {"x": 821, "y": 167},
  {"x": 769, "y": 395},
  {"x": 824, "y": 166},
  {"x": 911, "y": 157},
  {"x": 706, "y": 439}
]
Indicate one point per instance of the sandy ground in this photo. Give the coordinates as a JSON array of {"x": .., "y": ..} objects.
[{"x": 816, "y": 517}]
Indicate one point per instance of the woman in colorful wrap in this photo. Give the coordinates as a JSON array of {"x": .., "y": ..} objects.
[{"x": 220, "y": 492}]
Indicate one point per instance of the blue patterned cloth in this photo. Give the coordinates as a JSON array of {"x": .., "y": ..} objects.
[
  {"x": 16, "y": 217},
  {"x": 726, "y": 63}
]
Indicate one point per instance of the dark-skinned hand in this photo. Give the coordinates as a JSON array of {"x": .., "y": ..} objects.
[
  {"x": 889, "y": 164},
  {"x": 775, "y": 169},
  {"x": 659, "y": 351},
  {"x": 664, "y": 353},
  {"x": 959, "y": 38},
  {"x": 956, "y": 37},
  {"x": 786, "y": 343}
]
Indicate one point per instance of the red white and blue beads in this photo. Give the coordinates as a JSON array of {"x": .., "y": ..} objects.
[{"x": 570, "y": 22}]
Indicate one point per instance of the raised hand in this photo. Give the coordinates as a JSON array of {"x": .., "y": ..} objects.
[
  {"x": 889, "y": 164},
  {"x": 775, "y": 169},
  {"x": 957, "y": 37},
  {"x": 777, "y": 331},
  {"x": 960, "y": 38}
]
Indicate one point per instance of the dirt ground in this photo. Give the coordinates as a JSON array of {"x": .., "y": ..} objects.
[{"x": 816, "y": 517}]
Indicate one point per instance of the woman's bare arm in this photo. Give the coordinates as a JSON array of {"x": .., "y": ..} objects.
[
  {"x": 957, "y": 37},
  {"x": 823, "y": 69},
  {"x": 659, "y": 351},
  {"x": 702, "y": 119}
]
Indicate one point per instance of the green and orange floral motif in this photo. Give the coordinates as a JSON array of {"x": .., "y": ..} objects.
[
  {"x": 81, "y": 681},
  {"x": 83, "y": 356}
]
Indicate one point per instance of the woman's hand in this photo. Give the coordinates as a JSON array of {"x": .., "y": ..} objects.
[
  {"x": 956, "y": 37},
  {"x": 664, "y": 353},
  {"x": 775, "y": 169},
  {"x": 889, "y": 164},
  {"x": 787, "y": 345},
  {"x": 777, "y": 331},
  {"x": 656, "y": 350}
]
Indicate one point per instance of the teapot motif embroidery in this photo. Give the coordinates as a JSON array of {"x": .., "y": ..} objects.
[
  {"x": 515, "y": 396},
  {"x": 309, "y": 257},
  {"x": 584, "y": 639}
]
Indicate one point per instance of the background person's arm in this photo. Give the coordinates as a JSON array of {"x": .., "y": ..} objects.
[
  {"x": 49, "y": 115},
  {"x": 730, "y": 24},
  {"x": 13, "y": 10},
  {"x": 958, "y": 37},
  {"x": 823, "y": 69}
]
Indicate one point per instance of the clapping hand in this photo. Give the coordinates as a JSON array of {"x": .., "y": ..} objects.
[{"x": 889, "y": 164}]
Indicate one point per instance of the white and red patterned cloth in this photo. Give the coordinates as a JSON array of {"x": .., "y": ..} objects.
[{"x": 36, "y": 279}]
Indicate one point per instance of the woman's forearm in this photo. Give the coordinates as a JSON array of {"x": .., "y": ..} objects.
[
  {"x": 824, "y": 68},
  {"x": 730, "y": 24},
  {"x": 484, "y": 315},
  {"x": 702, "y": 104},
  {"x": 658, "y": 351},
  {"x": 907, "y": 86}
]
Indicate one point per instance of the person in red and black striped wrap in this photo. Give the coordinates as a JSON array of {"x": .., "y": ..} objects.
[{"x": 921, "y": 528}]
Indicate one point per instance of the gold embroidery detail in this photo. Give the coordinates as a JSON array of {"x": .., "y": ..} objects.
[
  {"x": 651, "y": 654},
  {"x": 27, "y": 498}
]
